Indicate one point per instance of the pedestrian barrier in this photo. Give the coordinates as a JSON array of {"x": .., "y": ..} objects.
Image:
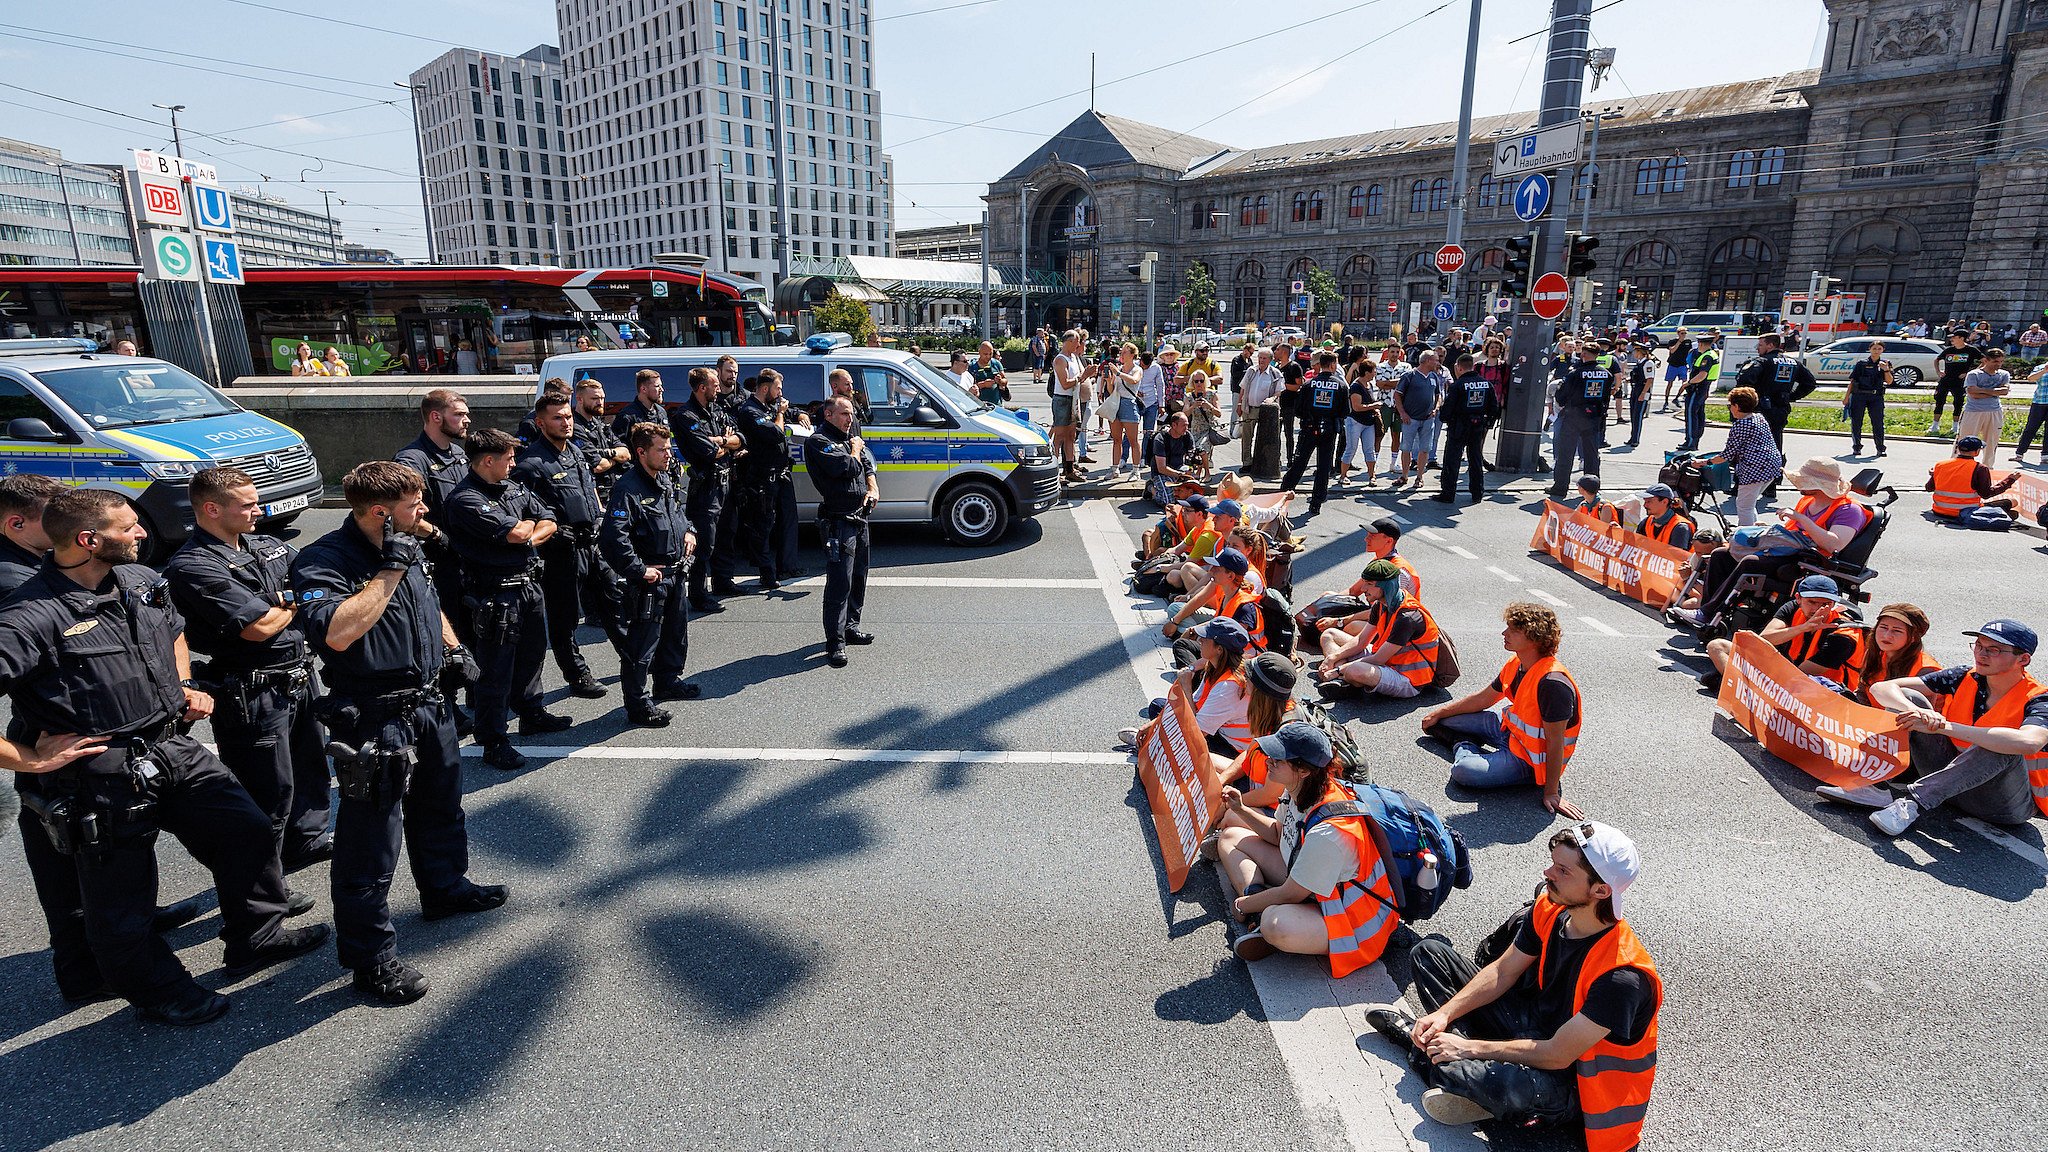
[
  {"x": 1181, "y": 784},
  {"x": 1806, "y": 723},
  {"x": 1609, "y": 555}
]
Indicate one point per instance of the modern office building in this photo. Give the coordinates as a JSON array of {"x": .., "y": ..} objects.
[
  {"x": 692, "y": 123},
  {"x": 493, "y": 147},
  {"x": 272, "y": 233},
  {"x": 53, "y": 211},
  {"x": 944, "y": 242}
]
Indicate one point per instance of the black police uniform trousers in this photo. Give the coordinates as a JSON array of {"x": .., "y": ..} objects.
[
  {"x": 731, "y": 520},
  {"x": 768, "y": 524},
  {"x": 706, "y": 506},
  {"x": 1466, "y": 441},
  {"x": 196, "y": 800},
  {"x": 575, "y": 586},
  {"x": 426, "y": 808},
  {"x": 448, "y": 589},
  {"x": 278, "y": 750},
  {"x": 846, "y": 575},
  {"x": 1319, "y": 438},
  {"x": 1515, "y": 1093},
  {"x": 1575, "y": 437},
  {"x": 657, "y": 636},
  {"x": 56, "y": 883},
  {"x": 511, "y": 644}
]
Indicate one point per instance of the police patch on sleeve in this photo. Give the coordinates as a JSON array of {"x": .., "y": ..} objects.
[{"x": 315, "y": 594}]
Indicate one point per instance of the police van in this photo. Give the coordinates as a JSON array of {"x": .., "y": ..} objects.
[
  {"x": 941, "y": 455},
  {"x": 142, "y": 427}
]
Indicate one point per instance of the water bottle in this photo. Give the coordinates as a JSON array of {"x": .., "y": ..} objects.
[{"x": 1427, "y": 878}]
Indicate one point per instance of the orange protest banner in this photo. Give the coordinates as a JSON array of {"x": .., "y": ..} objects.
[
  {"x": 1181, "y": 784},
  {"x": 1798, "y": 720},
  {"x": 2029, "y": 492},
  {"x": 1608, "y": 554}
]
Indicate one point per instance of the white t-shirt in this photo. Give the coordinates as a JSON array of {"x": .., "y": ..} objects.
[
  {"x": 1223, "y": 712},
  {"x": 1067, "y": 368},
  {"x": 1328, "y": 859}
]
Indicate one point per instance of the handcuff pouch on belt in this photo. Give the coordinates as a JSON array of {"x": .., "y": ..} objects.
[
  {"x": 372, "y": 769},
  {"x": 81, "y": 817}
]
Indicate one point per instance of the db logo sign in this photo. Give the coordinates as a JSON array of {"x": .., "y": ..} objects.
[{"x": 163, "y": 199}]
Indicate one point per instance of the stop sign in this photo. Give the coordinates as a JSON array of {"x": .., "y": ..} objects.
[
  {"x": 1550, "y": 296},
  {"x": 1450, "y": 258}
]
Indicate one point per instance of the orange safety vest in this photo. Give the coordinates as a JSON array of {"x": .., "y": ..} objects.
[
  {"x": 1663, "y": 535},
  {"x": 1601, "y": 510},
  {"x": 1524, "y": 718},
  {"x": 1806, "y": 507},
  {"x": 1358, "y": 914},
  {"x": 1416, "y": 660},
  {"x": 1414, "y": 577},
  {"x": 1243, "y": 596},
  {"x": 1806, "y": 646},
  {"x": 1614, "y": 1079},
  {"x": 1953, "y": 492},
  {"x": 1254, "y": 762},
  {"x": 2008, "y": 711}
]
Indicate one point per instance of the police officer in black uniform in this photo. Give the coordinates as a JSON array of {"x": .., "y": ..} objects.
[
  {"x": 438, "y": 456},
  {"x": 1780, "y": 381},
  {"x": 370, "y": 613},
  {"x": 1320, "y": 405},
  {"x": 554, "y": 468},
  {"x": 731, "y": 535},
  {"x": 234, "y": 589},
  {"x": 498, "y": 526},
  {"x": 93, "y": 658},
  {"x": 844, "y": 472},
  {"x": 705, "y": 437},
  {"x": 22, "y": 543},
  {"x": 766, "y": 486},
  {"x": 1469, "y": 409},
  {"x": 601, "y": 446},
  {"x": 1582, "y": 403},
  {"x": 647, "y": 406},
  {"x": 648, "y": 541}
]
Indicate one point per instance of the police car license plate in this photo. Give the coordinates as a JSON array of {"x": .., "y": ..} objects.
[{"x": 290, "y": 504}]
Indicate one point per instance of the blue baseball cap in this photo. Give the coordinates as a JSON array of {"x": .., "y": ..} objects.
[
  {"x": 1198, "y": 502},
  {"x": 1299, "y": 741},
  {"x": 1227, "y": 632},
  {"x": 2010, "y": 633},
  {"x": 1660, "y": 492},
  {"x": 1970, "y": 444},
  {"x": 1230, "y": 560},
  {"x": 1822, "y": 587},
  {"x": 1230, "y": 508}
]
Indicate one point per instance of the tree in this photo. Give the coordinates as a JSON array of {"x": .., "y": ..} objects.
[
  {"x": 837, "y": 313},
  {"x": 1201, "y": 289},
  {"x": 1323, "y": 292}
]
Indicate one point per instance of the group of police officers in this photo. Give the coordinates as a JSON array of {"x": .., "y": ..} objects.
[{"x": 461, "y": 563}]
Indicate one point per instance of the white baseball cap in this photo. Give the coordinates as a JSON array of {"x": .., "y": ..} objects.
[{"x": 1611, "y": 855}]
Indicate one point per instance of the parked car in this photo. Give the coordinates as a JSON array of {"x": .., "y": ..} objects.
[
  {"x": 1912, "y": 360},
  {"x": 1193, "y": 336},
  {"x": 958, "y": 325},
  {"x": 1698, "y": 322}
]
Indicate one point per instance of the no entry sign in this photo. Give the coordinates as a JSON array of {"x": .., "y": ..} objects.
[
  {"x": 1449, "y": 259},
  {"x": 1550, "y": 296}
]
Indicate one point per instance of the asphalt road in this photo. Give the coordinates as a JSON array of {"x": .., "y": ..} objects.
[{"x": 915, "y": 903}]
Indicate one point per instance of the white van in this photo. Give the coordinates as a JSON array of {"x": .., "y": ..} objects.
[
  {"x": 942, "y": 455},
  {"x": 957, "y": 325}
]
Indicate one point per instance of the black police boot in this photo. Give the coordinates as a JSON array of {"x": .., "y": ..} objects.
[
  {"x": 855, "y": 636},
  {"x": 394, "y": 982},
  {"x": 704, "y": 604},
  {"x": 289, "y": 943},
  {"x": 310, "y": 857},
  {"x": 727, "y": 586},
  {"x": 677, "y": 690},
  {"x": 585, "y": 685},
  {"x": 768, "y": 581},
  {"x": 543, "y": 722},
  {"x": 177, "y": 915},
  {"x": 836, "y": 657},
  {"x": 648, "y": 717},
  {"x": 191, "y": 1006},
  {"x": 475, "y": 898},
  {"x": 297, "y": 903},
  {"x": 504, "y": 758}
]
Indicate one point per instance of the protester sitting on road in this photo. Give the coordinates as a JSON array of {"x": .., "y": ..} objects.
[
  {"x": 1592, "y": 505},
  {"x": 1984, "y": 749},
  {"x": 1310, "y": 882},
  {"x": 1271, "y": 678},
  {"x": 1229, "y": 589},
  {"x": 1200, "y": 544},
  {"x": 1814, "y": 630},
  {"x": 1533, "y": 738},
  {"x": 1214, "y": 685},
  {"x": 1382, "y": 539},
  {"x": 1183, "y": 517},
  {"x": 1962, "y": 483},
  {"x": 1895, "y": 650},
  {"x": 1170, "y": 457},
  {"x": 1266, "y": 513},
  {"x": 1562, "y": 1027},
  {"x": 1395, "y": 655},
  {"x": 1664, "y": 519}
]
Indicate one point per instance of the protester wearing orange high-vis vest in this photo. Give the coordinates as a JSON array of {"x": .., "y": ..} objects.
[
  {"x": 1312, "y": 882},
  {"x": 1395, "y": 655},
  {"x": 1577, "y": 1044},
  {"x": 1533, "y": 738},
  {"x": 1962, "y": 482},
  {"x": 1985, "y": 750}
]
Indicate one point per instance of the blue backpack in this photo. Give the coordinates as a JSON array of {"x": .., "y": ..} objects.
[{"x": 1412, "y": 840}]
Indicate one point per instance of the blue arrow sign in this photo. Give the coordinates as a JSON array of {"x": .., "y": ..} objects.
[
  {"x": 1445, "y": 310},
  {"x": 223, "y": 261},
  {"x": 1532, "y": 197},
  {"x": 210, "y": 209}
]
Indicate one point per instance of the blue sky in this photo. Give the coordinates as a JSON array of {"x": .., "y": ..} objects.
[{"x": 301, "y": 92}]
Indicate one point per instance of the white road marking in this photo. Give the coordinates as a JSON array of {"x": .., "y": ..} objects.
[
  {"x": 1430, "y": 534},
  {"x": 2007, "y": 841},
  {"x": 1462, "y": 553},
  {"x": 1397, "y": 518},
  {"x": 1546, "y": 597},
  {"x": 1599, "y": 627},
  {"x": 1504, "y": 574},
  {"x": 1316, "y": 1021},
  {"x": 958, "y": 582},
  {"x": 813, "y": 755}
]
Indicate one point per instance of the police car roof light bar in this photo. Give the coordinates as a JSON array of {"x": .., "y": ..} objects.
[
  {"x": 822, "y": 342},
  {"x": 48, "y": 346}
]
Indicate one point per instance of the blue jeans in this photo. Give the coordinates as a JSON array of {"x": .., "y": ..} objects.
[
  {"x": 1474, "y": 768},
  {"x": 1150, "y": 414}
]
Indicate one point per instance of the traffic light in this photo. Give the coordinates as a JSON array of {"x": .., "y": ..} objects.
[
  {"x": 1579, "y": 261},
  {"x": 1519, "y": 268},
  {"x": 1443, "y": 286}
]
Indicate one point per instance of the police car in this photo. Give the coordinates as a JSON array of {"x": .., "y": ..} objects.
[
  {"x": 1912, "y": 360},
  {"x": 142, "y": 427}
]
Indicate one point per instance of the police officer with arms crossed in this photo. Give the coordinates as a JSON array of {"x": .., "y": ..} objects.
[
  {"x": 499, "y": 526},
  {"x": 555, "y": 469},
  {"x": 1582, "y": 403},
  {"x": 93, "y": 658},
  {"x": 234, "y": 589},
  {"x": 647, "y": 539},
  {"x": 438, "y": 456},
  {"x": 766, "y": 487},
  {"x": 844, "y": 472},
  {"x": 370, "y": 614},
  {"x": 708, "y": 443},
  {"x": 732, "y": 393},
  {"x": 1320, "y": 406},
  {"x": 602, "y": 447}
]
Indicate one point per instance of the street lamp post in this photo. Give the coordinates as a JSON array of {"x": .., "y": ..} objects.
[
  {"x": 1024, "y": 258},
  {"x": 419, "y": 141}
]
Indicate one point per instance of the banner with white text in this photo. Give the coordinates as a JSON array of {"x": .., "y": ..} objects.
[
  {"x": 1181, "y": 784},
  {"x": 1608, "y": 554},
  {"x": 1802, "y": 722}
]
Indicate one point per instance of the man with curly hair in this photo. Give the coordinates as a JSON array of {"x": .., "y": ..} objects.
[{"x": 1532, "y": 739}]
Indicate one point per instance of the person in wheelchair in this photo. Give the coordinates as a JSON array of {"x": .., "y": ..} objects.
[
  {"x": 1818, "y": 632},
  {"x": 1825, "y": 528}
]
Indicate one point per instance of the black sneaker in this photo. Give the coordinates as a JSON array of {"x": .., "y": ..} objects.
[
  {"x": 649, "y": 717},
  {"x": 769, "y": 583},
  {"x": 504, "y": 758},
  {"x": 677, "y": 690},
  {"x": 1251, "y": 945},
  {"x": 289, "y": 943},
  {"x": 394, "y": 982},
  {"x": 587, "y": 687},
  {"x": 1710, "y": 681},
  {"x": 836, "y": 657},
  {"x": 297, "y": 903},
  {"x": 177, "y": 915},
  {"x": 196, "y": 1006},
  {"x": 1393, "y": 1022},
  {"x": 543, "y": 722},
  {"x": 475, "y": 898},
  {"x": 855, "y": 636}
]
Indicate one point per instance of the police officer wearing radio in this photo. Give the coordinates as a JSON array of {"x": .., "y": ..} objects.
[
  {"x": 93, "y": 659},
  {"x": 1320, "y": 406},
  {"x": 1582, "y": 402},
  {"x": 843, "y": 470},
  {"x": 234, "y": 589},
  {"x": 601, "y": 446},
  {"x": 371, "y": 615},
  {"x": 765, "y": 488},
  {"x": 1470, "y": 407},
  {"x": 705, "y": 437},
  {"x": 724, "y": 560},
  {"x": 555, "y": 469},
  {"x": 648, "y": 541},
  {"x": 647, "y": 407},
  {"x": 438, "y": 456},
  {"x": 499, "y": 526},
  {"x": 1780, "y": 381}
]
